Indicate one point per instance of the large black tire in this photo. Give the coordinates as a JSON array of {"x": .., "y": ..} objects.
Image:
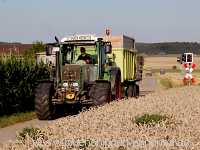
[
  {"x": 100, "y": 92},
  {"x": 137, "y": 91},
  {"x": 116, "y": 86},
  {"x": 133, "y": 91},
  {"x": 130, "y": 91},
  {"x": 43, "y": 101}
]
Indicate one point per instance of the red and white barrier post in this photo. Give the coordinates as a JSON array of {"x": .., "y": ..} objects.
[{"x": 188, "y": 73}]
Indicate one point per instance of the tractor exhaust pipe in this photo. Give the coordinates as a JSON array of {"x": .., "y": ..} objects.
[
  {"x": 58, "y": 76},
  {"x": 58, "y": 73}
]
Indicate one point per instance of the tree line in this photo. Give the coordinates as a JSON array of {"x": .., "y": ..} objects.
[{"x": 168, "y": 48}]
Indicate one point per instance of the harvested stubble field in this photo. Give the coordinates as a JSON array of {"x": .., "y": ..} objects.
[
  {"x": 116, "y": 121},
  {"x": 166, "y": 62},
  {"x": 176, "y": 78},
  {"x": 155, "y": 63}
]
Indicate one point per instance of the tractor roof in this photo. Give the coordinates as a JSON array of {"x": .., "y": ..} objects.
[{"x": 80, "y": 39}]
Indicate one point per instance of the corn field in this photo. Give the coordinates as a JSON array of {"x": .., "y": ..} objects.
[
  {"x": 116, "y": 122},
  {"x": 18, "y": 78}
]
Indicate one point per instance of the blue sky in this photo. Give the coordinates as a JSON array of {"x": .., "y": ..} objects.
[{"x": 146, "y": 20}]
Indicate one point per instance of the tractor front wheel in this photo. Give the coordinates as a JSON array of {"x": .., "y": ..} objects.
[{"x": 43, "y": 101}]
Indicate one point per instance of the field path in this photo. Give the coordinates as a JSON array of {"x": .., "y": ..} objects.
[
  {"x": 148, "y": 85},
  {"x": 9, "y": 133}
]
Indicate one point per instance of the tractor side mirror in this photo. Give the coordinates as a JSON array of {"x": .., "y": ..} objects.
[
  {"x": 108, "y": 48},
  {"x": 49, "y": 50}
]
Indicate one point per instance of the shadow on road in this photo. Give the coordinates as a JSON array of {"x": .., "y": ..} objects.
[{"x": 68, "y": 110}]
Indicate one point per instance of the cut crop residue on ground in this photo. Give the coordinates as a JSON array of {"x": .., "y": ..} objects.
[{"x": 115, "y": 121}]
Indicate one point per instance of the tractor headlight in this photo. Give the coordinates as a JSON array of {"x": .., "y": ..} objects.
[
  {"x": 65, "y": 85},
  {"x": 76, "y": 87},
  {"x": 75, "y": 84}
]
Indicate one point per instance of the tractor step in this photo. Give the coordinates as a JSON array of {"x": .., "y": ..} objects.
[{"x": 87, "y": 102}]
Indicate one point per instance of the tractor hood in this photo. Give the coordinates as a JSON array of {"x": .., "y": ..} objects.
[
  {"x": 80, "y": 73},
  {"x": 71, "y": 72}
]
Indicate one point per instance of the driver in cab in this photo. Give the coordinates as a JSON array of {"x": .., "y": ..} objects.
[{"x": 84, "y": 56}]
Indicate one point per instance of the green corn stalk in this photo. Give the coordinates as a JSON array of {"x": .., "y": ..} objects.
[{"x": 18, "y": 78}]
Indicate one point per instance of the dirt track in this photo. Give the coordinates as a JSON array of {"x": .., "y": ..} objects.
[
  {"x": 9, "y": 133},
  {"x": 147, "y": 85}
]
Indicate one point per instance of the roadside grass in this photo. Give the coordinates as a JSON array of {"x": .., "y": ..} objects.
[
  {"x": 174, "y": 80},
  {"x": 150, "y": 119},
  {"x": 32, "y": 132},
  {"x": 16, "y": 118}
]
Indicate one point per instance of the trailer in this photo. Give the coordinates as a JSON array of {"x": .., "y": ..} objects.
[{"x": 125, "y": 56}]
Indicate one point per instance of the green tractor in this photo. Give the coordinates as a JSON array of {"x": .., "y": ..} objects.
[{"x": 76, "y": 82}]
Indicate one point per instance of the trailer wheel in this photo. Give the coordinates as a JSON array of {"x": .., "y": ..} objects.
[
  {"x": 130, "y": 91},
  {"x": 100, "y": 92},
  {"x": 43, "y": 101},
  {"x": 137, "y": 91},
  {"x": 133, "y": 91}
]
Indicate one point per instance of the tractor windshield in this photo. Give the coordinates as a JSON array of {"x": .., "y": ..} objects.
[
  {"x": 73, "y": 54},
  {"x": 67, "y": 53},
  {"x": 86, "y": 53}
]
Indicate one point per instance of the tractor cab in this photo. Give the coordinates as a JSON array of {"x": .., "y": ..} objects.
[
  {"x": 81, "y": 46},
  {"x": 81, "y": 60},
  {"x": 68, "y": 52},
  {"x": 73, "y": 46}
]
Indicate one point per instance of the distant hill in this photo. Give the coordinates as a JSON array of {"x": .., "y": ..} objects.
[
  {"x": 3, "y": 43},
  {"x": 10, "y": 43},
  {"x": 168, "y": 48}
]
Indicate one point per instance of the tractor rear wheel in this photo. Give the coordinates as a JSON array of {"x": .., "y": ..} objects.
[
  {"x": 116, "y": 86},
  {"x": 43, "y": 101},
  {"x": 100, "y": 92}
]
